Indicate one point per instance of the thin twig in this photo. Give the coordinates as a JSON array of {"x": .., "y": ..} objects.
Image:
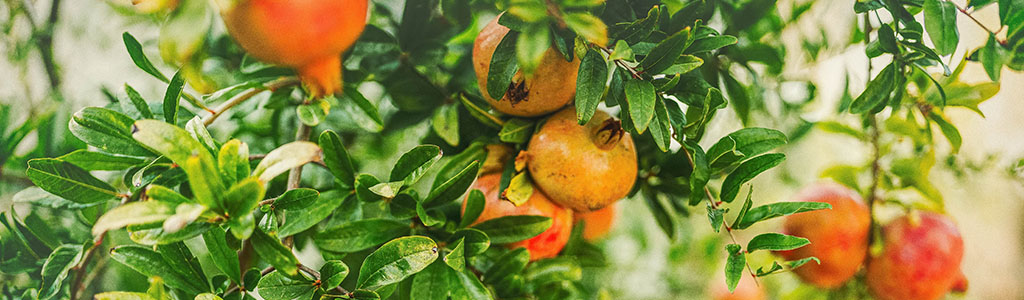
[
  {"x": 245, "y": 95},
  {"x": 969, "y": 16},
  {"x": 77, "y": 287},
  {"x": 620, "y": 63}
]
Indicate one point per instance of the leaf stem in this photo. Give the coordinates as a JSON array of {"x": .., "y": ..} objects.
[
  {"x": 964, "y": 11},
  {"x": 245, "y": 95}
]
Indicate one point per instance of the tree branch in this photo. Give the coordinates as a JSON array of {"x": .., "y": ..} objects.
[{"x": 245, "y": 95}]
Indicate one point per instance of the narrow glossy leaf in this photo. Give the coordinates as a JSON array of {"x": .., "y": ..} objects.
[
  {"x": 135, "y": 51},
  {"x": 157, "y": 236},
  {"x": 510, "y": 229},
  {"x": 233, "y": 161},
  {"x": 950, "y": 131},
  {"x": 778, "y": 209},
  {"x": 151, "y": 263},
  {"x": 179, "y": 146},
  {"x": 164, "y": 194},
  {"x": 396, "y": 260},
  {"x": 332, "y": 273},
  {"x": 588, "y": 27},
  {"x": 68, "y": 181},
  {"x": 940, "y": 21},
  {"x": 554, "y": 270},
  {"x": 56, "y": 268},
  {"x": 133, "y": 213},
  {"x": 590, "y": 79},
  {"x": 476, "y": 241},
  {"x": 280, "y": 286},
  {"x": 775, "y": 242},
  {"x": 223, "y": 257},
  {"x": 474, "y": 206},
  {"x": 701, "y": 172},
  {"x": 715, "y": 216},
  {"x": 435, "y": 282},
  {"x": 360, "y": 235},
  {"x": 742, "y": 144},
  {"x": 992, "y": 58},
  {"x": 363, "y": 184},
  {"x": 336, "y": 157},
  {"x": 296, "y": 199},
  {"x": 301, "y": 218},
  {"x": 272, "y": 251},
  {"x": 184, "y": 262},
  {"x": 746, "y": 171},
  {"x": 887, "y": 40},
  {"x": 286, "y": 157},
  {"x": 739, "y": 97},
  {"x": 622, "y": 51},
  {"x": 478, "y": 109},
  {"x": 454, "y": 187},
  {"x": 876, "y": 92},
  {"x": 476, "y": 151},
  {"x": 311, "y": 114},
  {"x": 138, "y": 102},
  {"x": 641, "y": 97},
  {"x": 363, "y": 111},
  {"x": 107, "y": 130},
  {"x": 711, "y": 43},
  {"x": 516, "y": 131},
  {"x": 684, "y": 64},
  {"x": 661, "y": 130},
  {"x": 507, "y": 264},
  {"x": 503, "y": 66},
  {"x": 761, "y": 272},
  {"x": 519, "y": 189},
  {"x": 640, "y": 29},
  {"x": 533, "y": 41},
  {"x": 243, "y": 197},
  {"x": 734, "y": 265},
  {"x": 414, "y": 163},
  {"x": 456, "y": 258},
  {"x": 171, "y": 97},
  {"x": 445, "y": 123},
  {"x": 387, "y": 190},
  {"x": 665, "y": 53},
  {"x": 99, "y": 161},
  {"x": 800, "y": 262}
]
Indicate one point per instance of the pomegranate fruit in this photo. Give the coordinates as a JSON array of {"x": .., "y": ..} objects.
[
  {"x": 921, "y": 259},
  {"x": 308, "y": 35},
  {"x": 596, "y": 224},
  {"x": 551, "y": 86},
  {"x": 544, "y": 245},
  {"x": 582, "y": 167},
  {"x": 839, "y": 236}
]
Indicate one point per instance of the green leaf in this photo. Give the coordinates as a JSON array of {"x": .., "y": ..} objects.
[
  {"x": 151, "y": 263},
  {"x": 360, "y": 235},
  {"x": 396, "y": 260},
  {"x": 661, "y": 130},
  {"x": 710, "y": 43},
  {"x": 363, "y": 184},
  {"x": 474, "y": 207},
  {"x": 336, "y": 157},
  {"x": 876, "y": 92},
  {"x": 272, "y": 251},
  {"x": 715, "y": 215},
  {"x": 107, "y": 130},
  {"x": 176, "y": 144},
  {"x": 456, "y": 259},
  {"x": 133, "y": 213},
  {"x": 208, "y": 296},
  {"x": 641, "y": 97},
  {"x": 742, "y": 144},
  {"x": 503, "y": 66},
  {"x": 666, "y": 52},
  {"x": 157, "y": 236},
  {"x": 446, "y": 123},
  {"x": 776, "y": 242},
  {"x": 119, "y": 295},
  {"x": 588, "y": 26},
  {"x": 314, "y": 112},
  {"x": 135, "y": 51},
  {"x": 243, "y": 197},
  {"x": 68, "y": 181},
  {"x": 223, "y": 257},
  {"x": 286, "y": 157},
  {"x": 640, "y": 29},
  {"x": 734, "y": 265},
  {"x": 56, "y": 268},
  {"x": 332, "y": 273},
  {"x": 475, "y": 241},
  {"x": 940, "y": 21},
  {"x": 533, "y": 41},
  {"x": 454, "y": 187},
  {"x": 363, "y": 112},
  {"x": 510, "y": 229},
  {"x": 171, "y": 97},
  {"x": 684, "y": 64},
  {"x": 138, "y": 102},
  {"x": 746, "y": 171},
  {"x": 164, "y": 194},
  {"x": 279, "y": 286},
  {"x": 739, "y": 97},
  {"x": 519, "y": 189},
  {"x": 554, "y": 270},
  {"x": 516, "y": 131},
  {"x": 774, "y": 210},
  {"x": 800, "y": 262},
  {"x": 992, "y": 57},
  {"x": 590, "y": 81},
  {"x": 184, "y": 262},
  {"x": 301, "y": 218},
  {"x": 701, "y": 172},
  {"x": 435, "y": 282},
  {"x": 414, "y": 163},
  {"x": 887, "y": 39},
  {"x": 296, "y": 198},
  {"x": 622, "y": 51},
  {"x": 950, "y": 131},
  {"x": 510, "y": 263},
  {"x": 233, "y": 161},
  {"x": 99, "y": 161}
]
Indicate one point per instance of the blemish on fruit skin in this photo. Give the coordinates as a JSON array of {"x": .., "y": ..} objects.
[{"x": 517, "y": 91}]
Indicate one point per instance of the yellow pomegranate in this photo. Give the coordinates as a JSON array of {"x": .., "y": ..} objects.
[
  {"x": 551, "y": 86},
  {"x": 582, "y": 167},
  {"x": 308, "y": 35}
]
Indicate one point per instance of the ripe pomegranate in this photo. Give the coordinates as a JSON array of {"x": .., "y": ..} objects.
[
  {"x": 596, "y": 224},
  {"x": 545, "y": 245},
  {"x": 308, "y": 35},
  {"x": 839, "y": 236},
  {"x": 921, "y": 259},
  {"x": 551, "y": 86},
  {"x": 745, "y": 290},
  {"x": 582, "y": 167}
]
